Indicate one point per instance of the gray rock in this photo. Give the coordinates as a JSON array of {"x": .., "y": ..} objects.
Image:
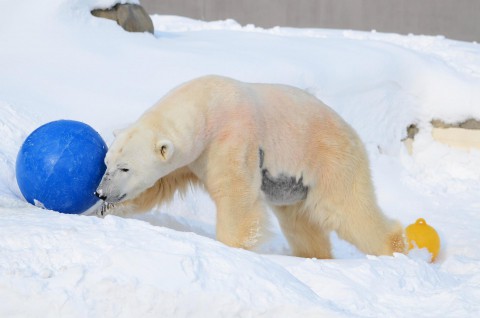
[
  {"x": 412, "y": 130},
  {"x": 131, "y": 17},
  {"x": 468, "y": 124},
  {"x": 437, "y": 123}
]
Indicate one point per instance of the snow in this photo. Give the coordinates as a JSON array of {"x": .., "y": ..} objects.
[{"x": 59, "y": 62}]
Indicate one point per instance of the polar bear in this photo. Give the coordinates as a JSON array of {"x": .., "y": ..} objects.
[{"x": 253, "y": 146}]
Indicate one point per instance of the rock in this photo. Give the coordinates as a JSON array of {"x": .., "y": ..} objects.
[
  {"x": 412, "y": 130},
  {"x": 464, "y": 135},
  {"x": 131, "y": 17},
  {"x": 468, "y": 124},
  {"x": 437, "y": 123}
]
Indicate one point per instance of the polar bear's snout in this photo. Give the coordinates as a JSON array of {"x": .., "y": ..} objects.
[
  {"x": 109, "y": 197},
  {"x": 108, "y": 191},
  {"x": 99, "y": 194}
]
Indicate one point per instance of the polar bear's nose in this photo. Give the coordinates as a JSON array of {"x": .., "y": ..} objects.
[{"x": 99, "y": 195}]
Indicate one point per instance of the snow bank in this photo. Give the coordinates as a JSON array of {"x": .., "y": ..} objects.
[{"x": 63, "y": 265}]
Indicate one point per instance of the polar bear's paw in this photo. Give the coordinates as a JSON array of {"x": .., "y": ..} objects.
[{"x": 110, "y": 208}]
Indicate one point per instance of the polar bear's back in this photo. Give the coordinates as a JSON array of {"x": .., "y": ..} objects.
[
  {"x": 293, "y": 128},
  {"x": 297, "y": 130}
]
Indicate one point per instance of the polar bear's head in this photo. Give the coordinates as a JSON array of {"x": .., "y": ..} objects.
[{"x": 137, "y": 158}]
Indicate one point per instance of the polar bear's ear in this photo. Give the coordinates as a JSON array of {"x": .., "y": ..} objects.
[{"x": 165, "y": 149}]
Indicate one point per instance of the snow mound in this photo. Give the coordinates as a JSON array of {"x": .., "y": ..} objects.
[{"x": 126, "y": 268}]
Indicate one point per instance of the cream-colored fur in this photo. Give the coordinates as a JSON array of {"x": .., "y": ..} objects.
[
  {"x": 209, "y": 132},
  {"x": 162, "y": 192}
]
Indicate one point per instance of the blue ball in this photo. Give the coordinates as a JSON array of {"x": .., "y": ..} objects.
[{"x": 60, "y": 165}]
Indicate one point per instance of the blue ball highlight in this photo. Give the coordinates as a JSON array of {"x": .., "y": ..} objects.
[{"x": 60, "y": 165}]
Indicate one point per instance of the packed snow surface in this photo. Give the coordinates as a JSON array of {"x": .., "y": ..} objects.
[{"x": 59, "y": 62}]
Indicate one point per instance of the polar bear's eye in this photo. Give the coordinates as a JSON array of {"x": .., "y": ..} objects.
[{"x": 124, "y": 169}]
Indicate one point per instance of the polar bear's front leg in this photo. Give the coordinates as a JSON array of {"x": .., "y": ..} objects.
[
  {"x": 235, "y": 188},
  {"x": 240, "y": 223}
]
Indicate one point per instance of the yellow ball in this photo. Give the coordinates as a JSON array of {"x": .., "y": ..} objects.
[{"x": 420, "y": 234}]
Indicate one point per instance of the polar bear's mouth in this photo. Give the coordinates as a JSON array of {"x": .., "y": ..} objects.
[
  {"x": 109, "y": 199},
  {"x": 115, "y": 200}
]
